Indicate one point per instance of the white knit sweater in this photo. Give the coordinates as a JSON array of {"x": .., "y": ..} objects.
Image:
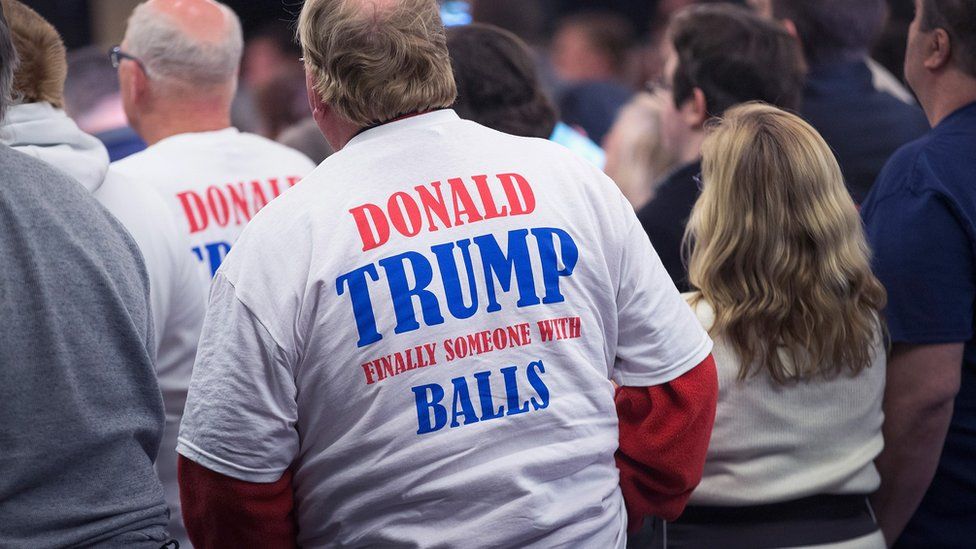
[{"x": 774, "y": 443}]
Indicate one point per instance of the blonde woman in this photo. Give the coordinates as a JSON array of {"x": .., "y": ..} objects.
[{"x": 785, "y": 288}]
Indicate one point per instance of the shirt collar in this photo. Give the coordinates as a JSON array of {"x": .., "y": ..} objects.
[
  {"x": 962, "y": 115},
  {"x": 426, "y": 120}
]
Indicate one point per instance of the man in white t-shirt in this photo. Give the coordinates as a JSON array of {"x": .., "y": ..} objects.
[
  {"x": 415, "y": 347},
  {"x": 178, "y": 68}
]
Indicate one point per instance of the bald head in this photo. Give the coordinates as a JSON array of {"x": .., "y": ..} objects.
[
  {"x": 201, "y": 20},
  {"x": 196, "y": 43}
]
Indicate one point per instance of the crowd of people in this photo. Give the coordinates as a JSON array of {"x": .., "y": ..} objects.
[{"x": 367, "y": 281}]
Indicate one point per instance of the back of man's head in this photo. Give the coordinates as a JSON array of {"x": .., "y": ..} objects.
[
  {"x": 958, "y": 19},
  {"x": 374, "y": 60},
  {"x": 833, "y": 31},
  {"x": 733, "y": 56},
  {"x": 497, "y": 82},
  {"x": 43, "y": 65},
  {"x": 186, "y": 45}
]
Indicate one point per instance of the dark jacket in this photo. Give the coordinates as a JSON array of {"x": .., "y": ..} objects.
[
  {"x": 665, "y": 216},
  {"x": 862, "y": 125}
]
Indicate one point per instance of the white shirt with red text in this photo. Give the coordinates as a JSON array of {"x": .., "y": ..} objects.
[
  {"x": 425, "y": 331},
  {"x": 215, "y": 182}
]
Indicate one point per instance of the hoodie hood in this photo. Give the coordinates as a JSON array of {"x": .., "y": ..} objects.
[{"x": 46, "y": 133}]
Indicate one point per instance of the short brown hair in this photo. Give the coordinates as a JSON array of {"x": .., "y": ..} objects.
[
  {"x": 958, "y": 19},
  {"x": 43, "y": 58},
  {"x": 734, "y": 56},
  {"x": 375, "y": 60}
]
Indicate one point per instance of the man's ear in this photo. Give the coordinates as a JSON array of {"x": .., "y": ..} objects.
[
  {"x": 315, "y": 103},
  {"x": 139, "y": 89},
  {"x": 694, "y": 111},
  {"x": 938, "y": 50}
]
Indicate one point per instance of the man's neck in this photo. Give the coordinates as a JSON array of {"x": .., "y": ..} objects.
[
  {"x": 954, "y": 91},
  {"x": 170, "y": 120}
]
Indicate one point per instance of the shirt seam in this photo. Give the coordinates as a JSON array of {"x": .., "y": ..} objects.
[
  {"x": 684, "y": 366},
  {"x": 250, "y": 311},
  {"x": 189, "y": 447}
]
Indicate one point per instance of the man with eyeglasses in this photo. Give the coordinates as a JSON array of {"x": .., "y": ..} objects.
[{"x": 178, "y": 72}]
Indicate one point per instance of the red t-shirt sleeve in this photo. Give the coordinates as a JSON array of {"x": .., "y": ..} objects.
[
  {"x": 664, "y": 434},
  {"x": 220, "y": 511}
]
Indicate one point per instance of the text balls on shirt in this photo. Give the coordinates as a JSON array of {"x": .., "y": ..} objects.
[{"x": 432, "y": 414}]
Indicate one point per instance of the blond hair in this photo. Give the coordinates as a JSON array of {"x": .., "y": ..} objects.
[
  {"x": 375, "y": 60},
  {"x": 43, "y": 58},
  {"x": 779, "y": 250}
]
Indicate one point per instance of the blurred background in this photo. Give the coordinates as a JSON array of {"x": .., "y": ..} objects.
[{"x": 592, "y": 55}]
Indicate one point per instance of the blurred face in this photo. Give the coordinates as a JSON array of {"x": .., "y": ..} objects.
[
  {"x": 263, "y": 61},
  {"x": 575, "y": 59}
]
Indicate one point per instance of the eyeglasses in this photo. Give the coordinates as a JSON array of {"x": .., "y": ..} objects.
[{"x": 116, "y": 56}]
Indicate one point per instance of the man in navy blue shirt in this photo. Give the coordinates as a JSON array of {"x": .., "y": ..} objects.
[
  {"x": 921, "y": 220},
  {"x": 862, "y": 124}
]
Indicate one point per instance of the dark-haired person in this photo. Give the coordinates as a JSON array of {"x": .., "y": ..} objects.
[
  {"x": 498, "y": 87},
  {"x": 863, "y": 125},
  {"x": 722, "y": 55},
  {"x": 80, "y": 410},
  {"x": 921, "y": 221}
]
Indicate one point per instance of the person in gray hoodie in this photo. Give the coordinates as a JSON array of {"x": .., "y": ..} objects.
[
  {"x": 80, "y": 410},
  {"x": 37, "y": 126}
]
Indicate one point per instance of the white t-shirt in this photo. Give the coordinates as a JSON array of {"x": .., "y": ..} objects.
[
  {"x": 774, "y": 443},
  {"x": 214, "y": 183},
  {"x": 178, "y": 300},
  {"x": 438, "y": 374}
]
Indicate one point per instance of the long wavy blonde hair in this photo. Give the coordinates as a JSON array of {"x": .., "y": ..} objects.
[{"x": 778, "y": 250}]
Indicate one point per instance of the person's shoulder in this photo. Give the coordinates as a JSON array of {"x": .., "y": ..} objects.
[
  {"x": 676, "y": 194},
  {"x": 64, "y": 213},
  {"x": 136, "y": 204},
  {"x": 26, "y": 177},
  {"x": 137, "y": 162},
  {"x": 900, "y": 175},
  {"x": 280, "y": 151},
  {"x": 701, "y": 307}
]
